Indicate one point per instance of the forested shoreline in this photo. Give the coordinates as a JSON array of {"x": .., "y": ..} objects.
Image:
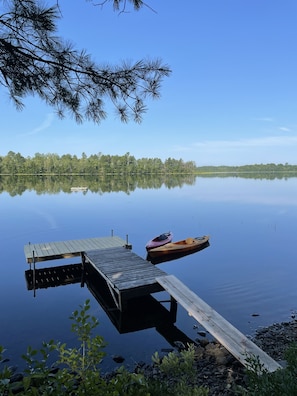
[
  {"x": 94, "y": 165},
  {"x": 102, "y": 164}
]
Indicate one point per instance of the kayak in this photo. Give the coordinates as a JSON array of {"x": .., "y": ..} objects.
[
  {"x": 159, "y": 240},
  {"x": 183, "y": 246}
]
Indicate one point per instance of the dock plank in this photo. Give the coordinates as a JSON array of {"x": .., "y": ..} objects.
[
  {"x": 123, "y": 269},
  {"x": 123, "y": 277},
  {"x": 230, "y": 337},
  {"x": 123, "y": 266},
  {"x": 70, "y": 248},
  {"x": 128, "y": 276}
]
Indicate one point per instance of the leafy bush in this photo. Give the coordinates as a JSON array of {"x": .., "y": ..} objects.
[
  {"x": 179, "y": 372},
  {"x": 76, "y": 371},
  {"x": 279, "y": 383}
]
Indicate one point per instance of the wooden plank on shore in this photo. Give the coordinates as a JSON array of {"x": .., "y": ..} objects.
[{"x": 231, "y": 338}]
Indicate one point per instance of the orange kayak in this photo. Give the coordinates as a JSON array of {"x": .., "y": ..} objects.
[{"x": 186, "y": 245}]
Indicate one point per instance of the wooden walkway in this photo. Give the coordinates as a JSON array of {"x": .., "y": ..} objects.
[
  {"x": 66, "y": 249},
  {"x": 231, "y": 338},
  {"x": 126, "y": 274}
]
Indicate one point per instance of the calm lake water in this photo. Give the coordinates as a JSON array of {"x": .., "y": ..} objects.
[{"x": 248, "y": 273}]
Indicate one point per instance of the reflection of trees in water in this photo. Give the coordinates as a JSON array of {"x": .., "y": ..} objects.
[
  {"x": 51, "y": 184},
  {"x": 262, "y": 175},
  {"x": 16, "y": 185}
]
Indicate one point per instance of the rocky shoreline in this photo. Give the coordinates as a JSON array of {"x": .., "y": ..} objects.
[{"x": 218, "y": 370}]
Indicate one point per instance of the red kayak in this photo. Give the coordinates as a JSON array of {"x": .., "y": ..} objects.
[{"x": 160, "y": 240}]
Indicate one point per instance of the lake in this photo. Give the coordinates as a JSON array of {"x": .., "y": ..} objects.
[{"x": 247, "y": 274}]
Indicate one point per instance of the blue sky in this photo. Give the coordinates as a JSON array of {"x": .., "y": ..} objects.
[{"x": 231, "y": 98}]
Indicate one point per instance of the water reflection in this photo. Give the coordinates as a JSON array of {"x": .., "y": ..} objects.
[
  {"x": 127, "y": 183},
  {"x": 251, "y": 266},
  {"x": 141, "y": 313},
  {"x": 53, "y": 276},
  {"x": 17, "y": 185}
]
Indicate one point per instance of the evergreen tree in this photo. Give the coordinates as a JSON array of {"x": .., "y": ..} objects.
[{"x": 34, "y": 60}]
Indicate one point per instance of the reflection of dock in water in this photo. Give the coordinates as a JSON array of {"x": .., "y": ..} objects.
[
  {"x": 128, "y": 278},
  {"x": 141, "y": 313},
  {"x": 53, "y": 276}
]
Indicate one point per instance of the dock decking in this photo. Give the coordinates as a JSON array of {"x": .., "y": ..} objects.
[
  {"x": 65, "y": 249},
  {"x": 126, "y": 274}
]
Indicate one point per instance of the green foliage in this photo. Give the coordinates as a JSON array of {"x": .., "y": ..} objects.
[
  {"x": 5, "y": 375},
  {"x": 256, "y": 171},
  {"x": 76, "y": 371},
  {"x": 255, "y": 367},
  {"x": 180, "y": 367},
  {"x": 130, "y": 384},
  {"x": 89, "y": 355},
  {"x": 36, "y": 61},
  {"x": 178, "y": 364},
  {"x": 279, "y": 383},
  {"x": 94, "y": 165},
  {"x": 37, "y": 365}
]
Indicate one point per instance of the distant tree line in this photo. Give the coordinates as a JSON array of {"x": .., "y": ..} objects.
[
  {"x": 96, "y": 164},
  {"x": 249, "y": 168},
  {"x": 256, "y": 171},
  {"x": 101, "y": 164}
]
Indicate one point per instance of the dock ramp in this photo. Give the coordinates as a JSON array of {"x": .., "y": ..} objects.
[{"x": 232, "y": 339}]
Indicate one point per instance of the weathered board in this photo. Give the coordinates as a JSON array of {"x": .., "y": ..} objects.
[
  {"x": 127, "y": 274},
  {"x": 64, "y": 249},
  {"x": 231, "y": 338}
]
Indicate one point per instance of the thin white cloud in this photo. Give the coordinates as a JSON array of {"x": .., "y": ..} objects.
[
  {"x": 43, "y": 126},
  {"x": 284, "y": 129}
]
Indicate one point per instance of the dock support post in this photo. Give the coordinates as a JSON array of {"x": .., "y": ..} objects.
[
  {"x": 83, "y": 268},
  {"x": 173, "y": 308},
  {"x": 34, "y": 274},
  {"x": 127, "y": 246},
  {"x": 30, "y": 261}
]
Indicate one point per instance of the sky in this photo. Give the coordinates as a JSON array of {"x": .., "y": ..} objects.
[{"x": 231, "y": 98}]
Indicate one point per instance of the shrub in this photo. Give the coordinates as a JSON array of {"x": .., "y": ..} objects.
[
  {"x": 76, "y": 371},
  {"x": 279, "y": 383}
]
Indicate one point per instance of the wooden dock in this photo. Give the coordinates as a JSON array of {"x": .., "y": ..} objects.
[
  {"x": 227, "y": 335},
  {"x": 66, "y": 249},
  {"x": 126, "y": 274}
]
